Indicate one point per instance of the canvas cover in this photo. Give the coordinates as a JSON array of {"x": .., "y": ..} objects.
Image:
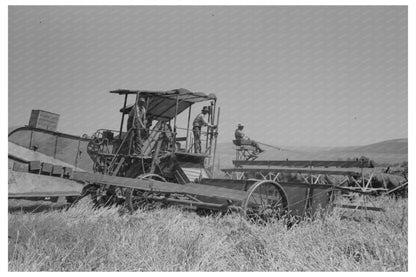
[{"x": 161, "y": 105}]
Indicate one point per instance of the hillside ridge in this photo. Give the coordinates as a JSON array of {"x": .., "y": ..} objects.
[{"x": 387, "y": 151}]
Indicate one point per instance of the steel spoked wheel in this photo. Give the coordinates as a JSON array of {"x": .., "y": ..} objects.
[
  {"x": 265, "y": 201},
  {"x": 97, "y": 144},
  {"x": 136, "y": 198}
]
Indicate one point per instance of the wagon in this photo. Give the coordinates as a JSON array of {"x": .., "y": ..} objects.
[{"x": 165, "y": 171}]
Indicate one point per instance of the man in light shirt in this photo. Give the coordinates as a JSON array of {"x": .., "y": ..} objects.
[
  {"x": 137, "y": 121},
  {"x": 197, "y": 124}
]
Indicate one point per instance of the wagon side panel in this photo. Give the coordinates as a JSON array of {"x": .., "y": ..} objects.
[
  {"x": 296, "y": 198},
  {"x": 320, "y": 199}
]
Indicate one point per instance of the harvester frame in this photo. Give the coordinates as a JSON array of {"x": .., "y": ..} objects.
[{"x": 163, "y": 172}]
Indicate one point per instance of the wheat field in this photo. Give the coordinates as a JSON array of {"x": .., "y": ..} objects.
[{"x": 82, "y": 238}]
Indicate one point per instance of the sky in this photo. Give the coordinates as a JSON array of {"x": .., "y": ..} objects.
[{"x": 310, "y": 76}]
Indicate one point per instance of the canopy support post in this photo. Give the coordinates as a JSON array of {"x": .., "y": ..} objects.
[
  {"x": 215, "y": 143},
  {"x": 122, "y": 116},
  {"x": 174, "y": 124},
  {"x": 187, "y": 128}
]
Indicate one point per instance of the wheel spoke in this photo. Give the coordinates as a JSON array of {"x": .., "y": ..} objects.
[
  {"x": 254, "y": 198},
  {"x": 260, "y": 193}
]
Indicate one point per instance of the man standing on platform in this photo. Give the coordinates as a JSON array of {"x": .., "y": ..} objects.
[
  {"x": 137, "y": 121},
  {"x": 198, "y": 123}
]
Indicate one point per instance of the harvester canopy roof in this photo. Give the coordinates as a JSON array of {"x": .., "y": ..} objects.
[{"x": 161, "y": 105}]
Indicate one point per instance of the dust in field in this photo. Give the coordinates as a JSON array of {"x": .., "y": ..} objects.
[{"x": 84, "y": 239}]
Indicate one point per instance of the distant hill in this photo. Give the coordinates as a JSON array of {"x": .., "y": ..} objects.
[
  {"x": 389, "y": 151},
  {"x": 394, "y": 146}
]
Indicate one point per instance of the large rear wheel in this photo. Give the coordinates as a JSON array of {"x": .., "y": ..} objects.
[{"x": 265, "y": 201}]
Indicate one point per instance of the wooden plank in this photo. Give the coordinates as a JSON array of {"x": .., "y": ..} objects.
[
  {"x": 46, "y": 168},
  {"x": 242, "y": 185},
  {"x": 193, "y": 189},
  {"x": 23, "y": 184},
  {"x": 293, "y": 171},
  {"x": 357, "y": 207},
  {"x": 34, "y": 166},
  {"x": 345, "y": 164},
  {"x": 21, "y": 167},
  {"x": 57, "y": 170}
]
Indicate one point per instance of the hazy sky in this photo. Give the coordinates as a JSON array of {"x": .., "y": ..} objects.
[{"x": 320, "y": 76}]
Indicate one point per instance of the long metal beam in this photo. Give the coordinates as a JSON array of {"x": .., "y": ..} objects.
[
  {"x": 165, "y": 187},
  {"x": 293, "y": 170},
  {"x": 344, "y": 164},
  {"x": 358, "y": 207}
]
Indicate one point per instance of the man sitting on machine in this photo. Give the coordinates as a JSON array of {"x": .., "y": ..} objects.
[{"x": 239, "y": 136}]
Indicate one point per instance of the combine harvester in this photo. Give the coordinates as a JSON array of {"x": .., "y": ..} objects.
[{"x": 50, "y": 165}]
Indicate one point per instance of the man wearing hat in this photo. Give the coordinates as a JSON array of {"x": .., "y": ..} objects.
[
  {"x": 137, "y": 121},
  {"x": 239, "y": 135},
  {"x": 198, "y": 123}
]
